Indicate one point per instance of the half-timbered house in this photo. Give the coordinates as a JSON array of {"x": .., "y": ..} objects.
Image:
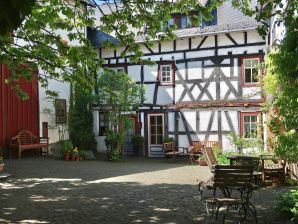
[{"x": 204, "y": 84}]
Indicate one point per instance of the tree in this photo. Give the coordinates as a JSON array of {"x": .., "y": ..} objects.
[
  {"x": 117, "y": 94},
  {"x": 281, "y": 84},
  {"x": 36, "y": 44}
]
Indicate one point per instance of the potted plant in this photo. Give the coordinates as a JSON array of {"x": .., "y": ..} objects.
[
  {"x": 67, "y": 148},
  {"x": 137, "y": 141},
  {"x": 202, "y": 161},
  {"x": 168, "y": 139},
  {"x": 75, "y": 154},
  {"x": 1, "y": 164}
]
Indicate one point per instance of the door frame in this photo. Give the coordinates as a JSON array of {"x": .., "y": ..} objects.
[{"x": 149, "y": 133}]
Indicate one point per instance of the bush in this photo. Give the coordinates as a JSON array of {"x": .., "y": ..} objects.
[
  {"x": 168, "y": 139},
  {"x": 137, "y": 140},
  {"x": 287, "y": 205}
]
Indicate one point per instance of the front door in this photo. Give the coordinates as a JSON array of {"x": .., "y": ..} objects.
[
  {"x": 155, "y": 134},
  {"x": 130, "y": 132}
]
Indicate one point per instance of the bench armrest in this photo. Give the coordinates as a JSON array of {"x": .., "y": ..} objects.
[{"x": 44, "y": 139}]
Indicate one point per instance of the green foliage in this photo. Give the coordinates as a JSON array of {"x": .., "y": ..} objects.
[
  {"x": 81, "y": 120},
  {"x": 221, "y": 158},
  {"x": 38, "y": 45},
  {"x": 137, "y": 140},
  {"x": 117, "y": 94},
  {"x": 281, "y": 84},
  {"x": 12, "y": 13},
  {"x": 239, "y": 143},
  {"x": 113, "y": 142},
  {"x": 287, "y": 205},
  {"x": 67, "y": 146},
  {"x": 168, "y": 139}
]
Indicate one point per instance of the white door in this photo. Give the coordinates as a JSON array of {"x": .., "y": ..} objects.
[{"x": 155, "y": 134}]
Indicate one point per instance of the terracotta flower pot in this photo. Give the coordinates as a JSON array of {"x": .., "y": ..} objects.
[
  {"x": 67, "y": 156},
  {"x": 1, "y": 167}
]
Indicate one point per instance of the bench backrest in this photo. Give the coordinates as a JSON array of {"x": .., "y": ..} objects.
[
  {"x": 169, "y": 147},
  {"x": 233, "y": 176},
  {"x": 26, "y": 137},
  {"x": 211, "y": 144},
  {"x": 197, "y": 147}
]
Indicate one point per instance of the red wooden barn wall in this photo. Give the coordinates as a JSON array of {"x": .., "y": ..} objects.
[{"x": 16, "y": 114}]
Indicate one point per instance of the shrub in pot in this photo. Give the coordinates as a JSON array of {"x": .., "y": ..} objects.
[
  {"x": 202, "y": 161},
  {"x": 168, "y": 139},
  {"x": 67, "y": 148}
]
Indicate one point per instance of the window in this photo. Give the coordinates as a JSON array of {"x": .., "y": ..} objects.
[
  {"x": 103, "y": 123},
  {"x": 193, "y": 19},
  {"x": 249, "y": 124},
  {"x": 156, "y": 129},
  {"x": 60, "y": 111},
  {"x": 165, "y": 72},
  {"x": 119, "y": 69},
  {"x": 250, "y": 70}
]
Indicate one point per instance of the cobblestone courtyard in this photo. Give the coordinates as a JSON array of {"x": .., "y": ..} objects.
[{"x": 45, "y": 190}]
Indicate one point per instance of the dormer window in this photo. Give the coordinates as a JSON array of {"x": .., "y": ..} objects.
[{"x": 193, "y": 19}]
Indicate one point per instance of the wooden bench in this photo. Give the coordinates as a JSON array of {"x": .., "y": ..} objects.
[
  {"x": 276, "y": 171},
  {"x": 26, "y": 140},
  {"x": 238, "y": 179}
]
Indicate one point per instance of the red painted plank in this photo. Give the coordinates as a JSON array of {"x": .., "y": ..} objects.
[{"x": 17, "y": 115}]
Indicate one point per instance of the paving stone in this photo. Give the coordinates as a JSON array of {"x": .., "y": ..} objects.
[{"x": 47, "y": 190}]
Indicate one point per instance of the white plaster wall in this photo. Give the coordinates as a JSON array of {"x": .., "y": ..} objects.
[
  {"x": 238, "y": 37},
  {"x": 107, "y": 52},
  {"x": 171, "y": 121},
  {"x": 214, "y": 126},
  {"x": 251, "y": 92},
  {"x": 209, "y": 42},
  {"x": 180, "y": 125},
  {"x": 223, "y": 40},
  {"x": 253, "y": 36},
  {"x": 135, "y": 72},
  {"x": 178, "y": 91},
  {"x": 181, "y": 70},
  {"x": 165, "y": 95},
  {"x": 183, "y": 141},
  {"x": 150, "y": 73},
  {"x": 241, "y": 50},
  {"x": 204, "y": 120},
  {"x": 182, "y": 44},
  {"x": 63, "y": 89},
  {"x": 195, "y": 54},
  {"x": 191, "y": 120},
  {"x": 194, "y": 70},
  {"x": 167, "y": 46},
  {"x": 144, "y": 49},
  {"x": 149, "y": 93}
]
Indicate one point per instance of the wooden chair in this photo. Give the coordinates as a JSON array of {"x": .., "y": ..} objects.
[
  {"x": 210, "y": 157},
  {"x": 170, "y": 150},
  {"x": 195, "y": 150},
  {"x": 274, "y": 170}
]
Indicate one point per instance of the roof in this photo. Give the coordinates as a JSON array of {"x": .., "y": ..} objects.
[
  {"x": 197, "y": 31},
  {"x": 97, "y": 37}
]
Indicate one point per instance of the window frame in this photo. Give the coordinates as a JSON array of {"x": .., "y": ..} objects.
[
  {"x": 58, "y": 118},
  {"x": 243, "y": 59},
  {"x": 116, "y": 66},
  {"x": 258, "y": 114},
  {"x": 106, "y": 124},
  {"x": 172, "y": 75}
]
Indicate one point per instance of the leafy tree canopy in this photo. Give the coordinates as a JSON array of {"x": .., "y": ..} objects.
[{"x": 70, "y": 57}]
